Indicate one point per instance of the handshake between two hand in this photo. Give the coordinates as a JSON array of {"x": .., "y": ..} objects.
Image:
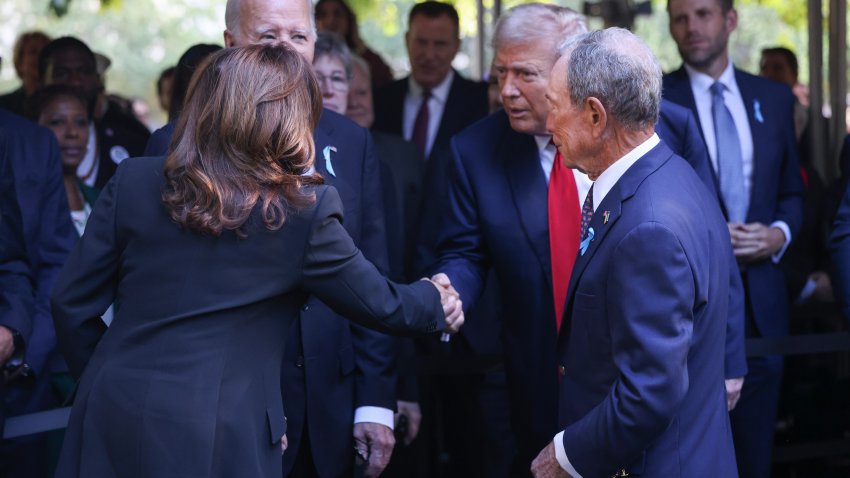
[{"x": 450, "y": 299}]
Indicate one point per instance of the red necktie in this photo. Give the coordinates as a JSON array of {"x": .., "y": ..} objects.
[
  {"x": 564, "y": 227},
  {"x": 420, "y": 125}
]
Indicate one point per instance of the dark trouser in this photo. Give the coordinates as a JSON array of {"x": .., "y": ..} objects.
[{"x": 754, "y": 418}]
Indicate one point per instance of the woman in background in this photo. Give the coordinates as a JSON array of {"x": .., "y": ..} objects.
[
  {"x": 65, "y": 112},
  {"x": 332, "y": 65},
  {"x": 210, "y": 253},
  {"x": 335, "y": 16}
]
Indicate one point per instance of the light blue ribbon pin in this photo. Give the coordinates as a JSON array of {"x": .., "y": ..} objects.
[
  {"x": 757, "y": 111},
  {"x": 586, "y": 242},
  {"x": 327, "y": 154}
]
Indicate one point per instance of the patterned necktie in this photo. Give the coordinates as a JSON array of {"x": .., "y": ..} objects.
[
  {"x": 587, "y": 212},
  {"x": 730, "y": 166},
  {"x": 420, "y": 125},
  {"x": 564, "y": 222}
]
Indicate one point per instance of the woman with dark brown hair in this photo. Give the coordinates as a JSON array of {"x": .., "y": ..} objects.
[{"x": 209, "y": 254}]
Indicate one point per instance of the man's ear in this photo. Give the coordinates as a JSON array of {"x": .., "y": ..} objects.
[
  {"x": 595, "y": 115},
  {"x": 229, "y": 41},
  {"x": 731, "y": 20}
]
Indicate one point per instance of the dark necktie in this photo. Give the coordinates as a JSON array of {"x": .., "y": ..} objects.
[
  {"x": 420, "y": 125},
  {"x": 730, "y": 165},
  {"x": 564, "y": 222},
  {"x": 587, "y": 212}
]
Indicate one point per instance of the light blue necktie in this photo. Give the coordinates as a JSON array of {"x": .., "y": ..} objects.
[{"x": 729, "y": 162}]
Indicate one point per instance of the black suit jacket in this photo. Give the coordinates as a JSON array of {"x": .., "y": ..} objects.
[
  {"x": 466, "y": 104},
  {"x": 329, "y": 361},
  {"x": 186, "y": 380},
  {"x": 331, "y": 365}
]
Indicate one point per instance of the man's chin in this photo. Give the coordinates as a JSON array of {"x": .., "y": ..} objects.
[{"x": 524, "y": 126}]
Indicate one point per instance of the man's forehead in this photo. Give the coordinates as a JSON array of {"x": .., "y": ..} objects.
[{"x": 270, "y": 14}]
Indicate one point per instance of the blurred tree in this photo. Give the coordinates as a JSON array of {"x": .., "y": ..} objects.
[{"x": 142, "y": 37}]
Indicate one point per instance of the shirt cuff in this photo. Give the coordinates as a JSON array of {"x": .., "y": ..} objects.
[
  {"x": 561, "y": 455},
  {"x": 787, "y": 231},
  {"x": 379, "y": 415}
]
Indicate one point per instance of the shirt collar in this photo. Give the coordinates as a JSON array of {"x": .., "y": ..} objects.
[
  {"x": 702, "y": 82},
  {"x": 603, "y": 184},
  {"x": 439, "y": 93},
  {"x": 543, "y": 142}
]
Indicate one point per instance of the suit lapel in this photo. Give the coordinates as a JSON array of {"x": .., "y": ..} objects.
[
  {"x": 678, "y": 90},
  {"x": 609, "y": 211},
  {"x": 449, "y": 119},
  {"x": 322, "y": 137},
  {"x": 521, "y": 161},
  {"x": 749, "y": 95}
]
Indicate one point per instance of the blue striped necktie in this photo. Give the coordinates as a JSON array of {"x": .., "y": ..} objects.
[{"x": 730, "y": 164}]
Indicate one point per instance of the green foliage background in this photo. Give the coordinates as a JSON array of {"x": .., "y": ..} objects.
[{"x": 142, "y": 37}]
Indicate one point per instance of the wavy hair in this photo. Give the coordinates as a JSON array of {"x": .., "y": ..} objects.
[{"x": 245, "y": 137}]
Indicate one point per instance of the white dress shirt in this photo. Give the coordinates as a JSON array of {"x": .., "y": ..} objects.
[
  {"x": 601, "y": 188},
  {"x": 547, "y": 159},
  {"x": 700, "y": 86},
  {"x": 436, "y": 105}
]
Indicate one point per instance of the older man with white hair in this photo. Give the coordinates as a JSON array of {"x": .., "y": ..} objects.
[
  {"x": 516, "y": 209},
  {"x": 641, "y": 363},
  {"x": 338, "y": 379}
]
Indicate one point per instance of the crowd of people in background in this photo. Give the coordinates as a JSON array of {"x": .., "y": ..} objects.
[{"x": 438, "y": 173}]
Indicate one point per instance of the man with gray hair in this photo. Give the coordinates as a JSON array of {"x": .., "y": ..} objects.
[
  {"x": 515, "y": 210},
  {"x": 641, "y": 389},
  {"x": 338, "y": 380}
]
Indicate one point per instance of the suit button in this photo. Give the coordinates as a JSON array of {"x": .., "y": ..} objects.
[
  {"x": 305, "y": 308},
  {"x": 562, "y": 370},
  {"x": 299, "y": 361}
]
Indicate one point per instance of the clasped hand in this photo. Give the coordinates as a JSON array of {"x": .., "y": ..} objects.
[{"x": 450, "y": 299}]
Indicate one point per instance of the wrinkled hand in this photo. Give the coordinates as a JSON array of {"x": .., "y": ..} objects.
[
  {"x": 7, "y": 345},
  {"x": 376, "y": 442},
  {"x": 733, "y": 392},
  {"x": 414, "y": 418},
  {"x": 284, "y": 444},
  {"x": 452, "y": 306},
  {"x": 754, "y": 242},
  {"x": 546, "y": 464}
]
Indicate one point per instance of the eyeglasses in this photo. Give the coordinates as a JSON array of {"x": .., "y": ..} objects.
[{"x": 337, "y": 82}]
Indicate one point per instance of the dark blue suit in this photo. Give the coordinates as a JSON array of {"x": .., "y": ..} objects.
[
  {"x": 16, "y": 290},
  {"x": 497, "y": 219},
  {"x": 331, "y": 366},
  {"x": 642, "y": 357},
  {"x": 49, "y": 236},
  {"x": 776, "y": 195}
]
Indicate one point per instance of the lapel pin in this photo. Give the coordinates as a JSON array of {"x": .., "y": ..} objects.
[
  {"x": 586, "y": 242},
  {"x": 757, "y": 111},
  {"x": 605, "y": 216},
  {"x": 327, "y": 154}
]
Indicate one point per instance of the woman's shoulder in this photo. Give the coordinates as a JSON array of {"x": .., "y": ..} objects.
[{"x": 141, "y": 168}]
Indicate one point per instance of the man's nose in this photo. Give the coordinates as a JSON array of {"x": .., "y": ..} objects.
[{"x": 508, "y": 89}]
